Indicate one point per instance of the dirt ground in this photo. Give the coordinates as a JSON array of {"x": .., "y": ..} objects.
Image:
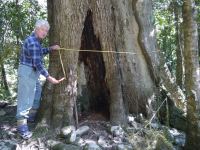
[
  {"x": 8, "y": 129},
  {"x": 8, "y": 124}
]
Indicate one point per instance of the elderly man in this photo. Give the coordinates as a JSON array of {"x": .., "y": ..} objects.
[{"x": 30, "y": 67}]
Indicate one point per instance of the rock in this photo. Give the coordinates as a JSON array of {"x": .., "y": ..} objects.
[
  {"x": 124, "y": 147},
  {"x": 180, "y": 140},
  {"x": 80, "y": 142},
  {"x": 117, "y": 140},
  {"x": 131, "y": 119},
  {"x": 52, "y": 143},
  {"x": 71, "y": 138},
  {"x": 62, "y": 146},
  {"x": 168, "y": 135},
  {"x": 132, "y": 122},
  {"x": 102, "y": 142},
  {"x": 82, "y": 130},
  {"x": 7, "y": 145},
  {"x": 69, "y": 134},
  {"x": 66, "y": 131},
  {"x": 92, "y": 146},
  {"x": 179, "y": 137},
  {"x": 117, "y": 131}
]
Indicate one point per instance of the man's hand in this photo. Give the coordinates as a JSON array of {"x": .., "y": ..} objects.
[
  {"x": 54, "y": 47},
  {"x": 53, "y": 80}
]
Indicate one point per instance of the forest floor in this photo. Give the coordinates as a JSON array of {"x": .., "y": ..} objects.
[
  {"x": 8, "y": 124},
  {"x": 141, "y": 137},
  {"x": 9, "y": 139}
]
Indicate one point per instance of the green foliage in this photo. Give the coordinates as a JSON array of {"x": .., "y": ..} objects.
[
  {"x": 149, "y": 139},
  {"x": 197, "y": 2},
  {"x": 166, "y": 30},
  {"x": 16, "y": 22},
  {"x": 40, "y": 131},
  {"x": 4, "y": 94},
  {"x": 163, "y": 143},
  {"x": 165, "y": 27}
]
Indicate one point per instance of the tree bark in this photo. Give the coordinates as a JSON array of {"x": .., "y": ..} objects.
[
  {"x": 117, "y": 84},
  {"x": 191, "y": 74},
  {"x": 4, "y": 82},
  {"x": 179, "y": 52}
]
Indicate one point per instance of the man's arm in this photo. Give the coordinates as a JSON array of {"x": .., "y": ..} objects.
[
  {"x": 35, "y": 53},
  {"x": 37, "y": 63},
  {"x": 50, "y": 49}
]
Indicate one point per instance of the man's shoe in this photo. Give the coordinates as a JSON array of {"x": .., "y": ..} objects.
[
  {"x": 22, "y": 129},
  {"x": 24, "y": 132}
]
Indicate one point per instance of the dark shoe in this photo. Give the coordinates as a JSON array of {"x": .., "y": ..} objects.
[{"x": 24, "y": 132}]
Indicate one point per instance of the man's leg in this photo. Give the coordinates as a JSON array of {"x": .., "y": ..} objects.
[
  {"x": 36, "y": 102},
  {"x": 38, "y": 90},
  {"x": 25, "y": 96}
]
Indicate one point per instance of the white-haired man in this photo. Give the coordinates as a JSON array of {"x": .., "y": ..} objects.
[{"x": 30, "y": 67}]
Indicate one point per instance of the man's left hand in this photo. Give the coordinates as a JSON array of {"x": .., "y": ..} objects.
[{"x": 54, "y": 47}]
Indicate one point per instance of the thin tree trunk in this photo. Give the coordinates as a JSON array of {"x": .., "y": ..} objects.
[
  {"x": 191, "y": 75},
  {"x": 4, "y": 79},
  {"x": 179, "y": 54}
]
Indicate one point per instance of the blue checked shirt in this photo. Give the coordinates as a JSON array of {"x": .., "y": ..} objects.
[{"x": 32, "y": 54}]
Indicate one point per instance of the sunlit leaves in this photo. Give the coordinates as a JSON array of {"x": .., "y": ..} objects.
[
  {"x": 17, "y": 19},
  {"x": 165, "y": 23}
]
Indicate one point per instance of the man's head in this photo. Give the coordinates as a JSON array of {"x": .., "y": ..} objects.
[{"x": 41, "y": 28}]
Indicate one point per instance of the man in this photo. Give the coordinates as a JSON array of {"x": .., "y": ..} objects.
[{"x": 30, "y": 67}]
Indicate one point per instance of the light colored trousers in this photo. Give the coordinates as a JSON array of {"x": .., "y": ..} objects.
[{"x": 29, "y": 91}]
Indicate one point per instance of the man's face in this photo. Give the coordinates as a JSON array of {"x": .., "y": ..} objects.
[{"x": 41, "y": 32}]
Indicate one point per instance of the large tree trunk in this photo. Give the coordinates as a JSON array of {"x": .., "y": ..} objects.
[
  {"x": 115, "y": 84},
  {"x": 191, "y": 75}
]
